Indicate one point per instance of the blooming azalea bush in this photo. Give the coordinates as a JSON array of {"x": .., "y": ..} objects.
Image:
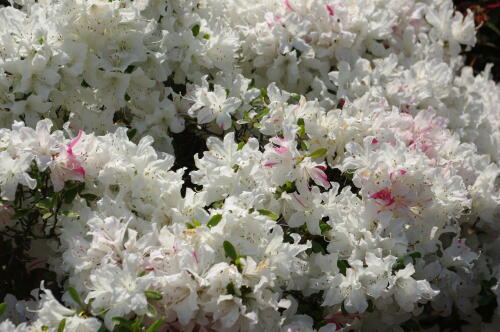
[{"x": 208, "y": 165}]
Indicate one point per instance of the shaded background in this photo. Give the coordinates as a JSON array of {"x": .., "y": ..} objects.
[{"x": 487, "y": 49}]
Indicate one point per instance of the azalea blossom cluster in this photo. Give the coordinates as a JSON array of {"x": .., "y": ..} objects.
[{"x": 348, "y": 178}]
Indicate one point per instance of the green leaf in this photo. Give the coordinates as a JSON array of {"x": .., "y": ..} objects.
[
  {"x": 484, "y": 300},
  {"x": 20, "y": 213},
  {"x": 241, "y": 145},
  {"x": 399, "y": 265},
  {"x": 371, "y": 306},
  {"x": 304, "y": 145},
  {"x": 343, "y": 265},
  {"x": 45, "y": 328},
  {"x": 252, "y": 84},
  {"x": 263, "y": 92},
  {"x": 302, "y": 127},
  {"x": 230, "y": 289},
  {"x": 242, "y": 122},
  {"x": 155, "y": 326},
  {"x": 415, "y": 255},
  {"x": 44, "y": 204},
  {"x": 195, "y": 224},
  {"x": 218, "y": 204},
  {"x": 230, "y": 250},
  {"x": 70, "y": 195},
  {"x": 403, "y": 261},
  {"x": 318, "y": 153},
  {"x": 349, "y": 173},
  {"x": 269, "y": 214},
  {"x": 324, "y": 227},
  {"x": 151, "y": 311},
  {"x": 488, "y": 283},
  {"x": 3, "y": 306},
  {"x": 153, "y": 295},
  {"x": 131, "y": 133},
  {"x": 245, "y": 291},
  {"x": 196, "y": 30},
  {"x": 493, "y": 27},
  {"x": 214, "y": 220},
  {"x": 317, "y": 247},
  {"x": 263, "y": 113},
  {"x": 411, "y": 325},
  {"x": 344, "y": 310},
  {"x": 289, "y": 187},
  {"x": 75, "y": 296},
  {"x": 206, "y": 36},
  {"x": 70, "y": 214},
  {"x": 136, "y": 326},
  {"x": 122, "y": 322},
  {"x": 61, "y": 326},
  {"x": 46, "y": 215},
  {"x": 129, "y": 69},
  {"x": 89, "y": 197},
  {"x": 238, "y": 263},
  {"x": 294, "y": 99}
]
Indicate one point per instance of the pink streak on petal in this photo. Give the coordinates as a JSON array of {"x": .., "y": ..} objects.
[
  {"x": 196, "y": 257},
  {"x": 374, "y": 141},
  {"x": 73, "y": 142},
  {"x": 294, "y": 195},
  {"x": 281, "y": 149},
  {"x": 320, "y": 177},
  {"x": 321, "y": 174},
  {"x": 287, "y": 5},
  {"x": 321, "y": 167},
  {"x": 330, "y": 9},
  {"x": 79, "y": 170},
  {"x": 384, "y": 195},
  {"x": 270, "y": 164}
]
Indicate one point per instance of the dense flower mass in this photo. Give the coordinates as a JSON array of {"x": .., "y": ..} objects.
[{"x": 226, "y": 165}]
